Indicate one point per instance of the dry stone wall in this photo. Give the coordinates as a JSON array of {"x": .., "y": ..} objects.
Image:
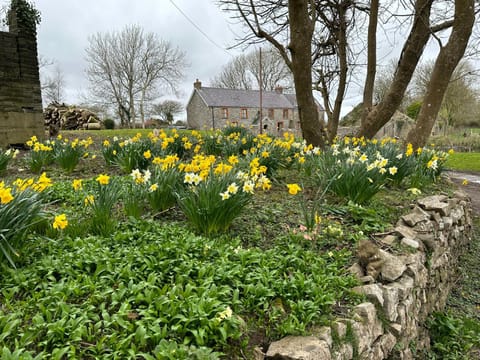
[{"x": 414, "y": 270}]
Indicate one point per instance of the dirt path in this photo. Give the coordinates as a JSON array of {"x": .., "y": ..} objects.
[{"x": 472, "y": 188}]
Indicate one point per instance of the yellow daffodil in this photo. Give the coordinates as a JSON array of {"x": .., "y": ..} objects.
[
  {"x": 77, "y": 184},
  {"x": 232, "y": 188},
  {"x": 89, "y": 200},
  {"x": 293, "y": 189},
  {"x": 60, "y": 222},
  {"x": 5, "y": 195},
  {"x": 103, "y": 179},
  {"x": 225, "y": 195},
  {"x": 248, "y": 187},
  {"x": 414, "y": 191}
]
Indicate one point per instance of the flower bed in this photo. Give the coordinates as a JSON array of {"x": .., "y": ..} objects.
[{"x": 189, "y": 243}]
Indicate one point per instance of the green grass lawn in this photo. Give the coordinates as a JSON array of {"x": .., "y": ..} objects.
[{"x": 464, "y": 161}]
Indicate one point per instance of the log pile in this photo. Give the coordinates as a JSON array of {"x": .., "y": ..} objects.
[{"x": 63, "y": 117}]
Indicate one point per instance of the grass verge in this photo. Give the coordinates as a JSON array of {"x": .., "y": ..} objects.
[
  {"x": 455, "y": 333},
  {"x": 464, "y": 161}
]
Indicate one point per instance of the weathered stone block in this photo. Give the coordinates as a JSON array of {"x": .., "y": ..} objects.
[
  {"x": 373, "y": 292},
  {"x": 299, "y": 348},
  {"x": 436, "y": 203},
  {"x": 391, "y": 298},
  {"x": 392, "y": 267},
  {"x": 416, "y": 216},
  {"x": 405, "y": 231},
  {"x": 414, "y": 244}
]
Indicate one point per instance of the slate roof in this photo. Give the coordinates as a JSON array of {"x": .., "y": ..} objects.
[{"x": 218, "y": 97}]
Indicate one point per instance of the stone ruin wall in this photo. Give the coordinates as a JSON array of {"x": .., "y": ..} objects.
[
  {"x": 415, "y": 279},
  {"x": 20, "y": 95}
]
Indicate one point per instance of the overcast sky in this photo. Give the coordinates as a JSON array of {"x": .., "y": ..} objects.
[{"x": 66, "y": 25}]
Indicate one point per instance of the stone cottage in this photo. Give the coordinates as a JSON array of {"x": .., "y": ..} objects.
[
  {"x": 213, "y": 108},
  {"x": 20, "y": 95}
]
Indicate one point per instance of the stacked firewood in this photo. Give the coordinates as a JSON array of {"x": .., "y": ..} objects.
[{"x": 63, "y": 117}]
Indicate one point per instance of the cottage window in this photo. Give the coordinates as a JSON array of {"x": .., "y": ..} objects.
[
  {"x": 271, "y": 114},
  {"x": 279, "y": 126},
  {"x": 285, "y": 113},
  {"x": 244, "y": 113},
  {"x": 224, "y": 113}
]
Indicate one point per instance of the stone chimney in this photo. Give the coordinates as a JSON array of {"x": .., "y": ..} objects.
[
  {"x": 279, "y": 89},
  {"x": 197, "y": 84}
]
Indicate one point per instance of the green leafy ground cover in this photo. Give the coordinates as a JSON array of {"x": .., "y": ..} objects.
[
  {"x": 455, "y": 332},
  {"x": 157, "y": 289}
]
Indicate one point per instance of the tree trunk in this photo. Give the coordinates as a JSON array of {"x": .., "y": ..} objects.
[
  {"x": 447, "y": 60},
  {"x": 301, "y": 30},
  {"x": 142, "y": 109},
  {"x": 411, "y": 53},
  {"x": 343, "y": 65},
  {"x": 371, "y": 60}
]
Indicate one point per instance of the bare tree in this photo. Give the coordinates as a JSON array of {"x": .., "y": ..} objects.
[
  {"x": 243, "y": 71},
  {"x": 368, "y": 90},
  {"x": 447, "y": 60},
  {"x": 234, "y": 75},
  {"x": 53, "y": 86},
  {"x": 411, "y": 53},
  {"x": 383, "y": 81},
  {"x": 168, "y": 109},
  {"x": 288, "y": 26},
  {"x": 313, "y": 35},
  {"x": 423, "y": 28},
  {"x": 126, "y": 67},
  {"x": 331, "y": 64}
]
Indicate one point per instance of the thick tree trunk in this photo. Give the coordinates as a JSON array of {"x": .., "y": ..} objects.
[
  {"x": 371, "y": 60},
  {"x": 301, "y": 30},
  {"x": 411, "y": 53},
  {"x": 342, "y": 81},
  {"x": 448, "y": 59}
]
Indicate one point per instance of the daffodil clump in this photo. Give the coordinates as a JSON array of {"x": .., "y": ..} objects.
[
  {"x": 41, "y": 154},
  {"x": 5, "y": 157},
  {"x": 100, "y": 200},
  {"x": 129, "y": 154},
  {"x": 216, "y": 192},
  {"x": 430, "y": 164},
  {"x": 21, "y": 207},
  {"x": 357, "y": 169},
  {"x": 67, "y": 154},
  {"x": 164, "y": 183}
]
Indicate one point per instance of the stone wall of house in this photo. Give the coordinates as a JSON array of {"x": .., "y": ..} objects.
[
  {"x": 202, "y": 117},
  {"x": 408, "y": 278},
  {"x": 199, "y": 116},
  {"x": 20, "y": 95}
]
